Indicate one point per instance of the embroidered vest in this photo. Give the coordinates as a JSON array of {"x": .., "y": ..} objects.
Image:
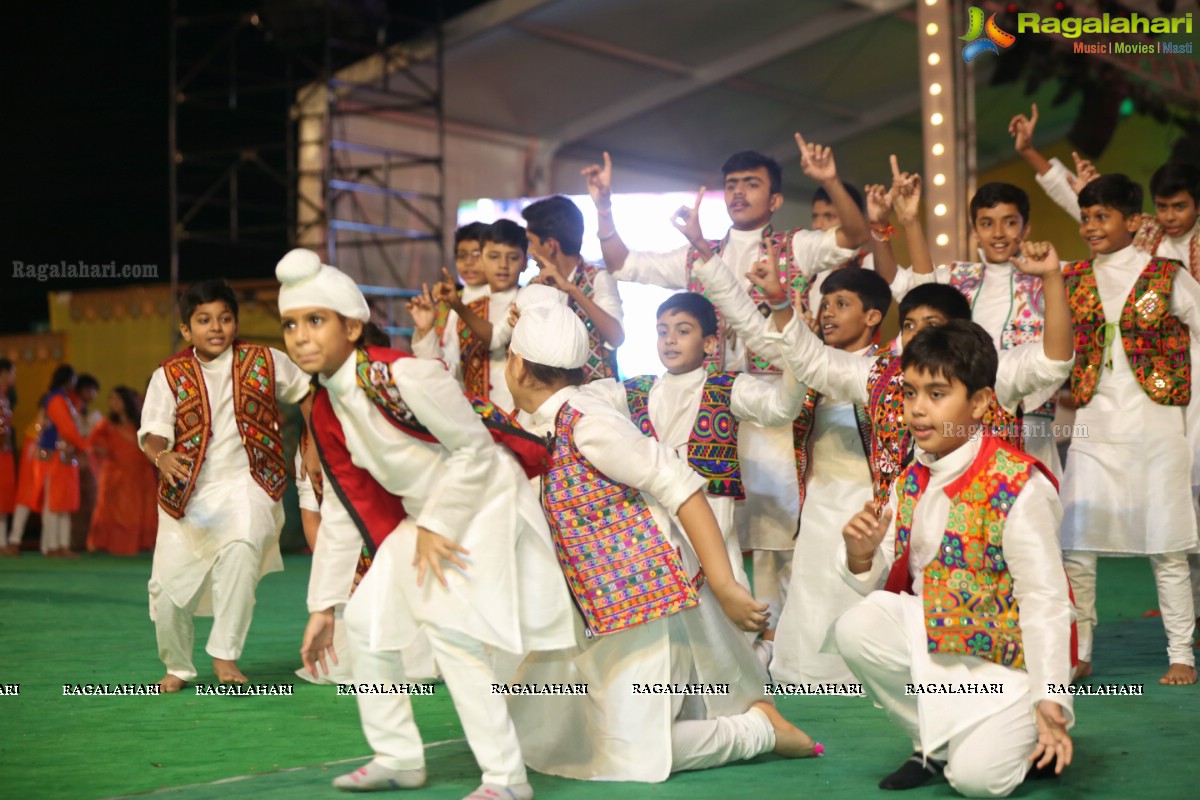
[
  {"x": 474, "y": 354},
  {"x": 967, "y": 590},
  {"x": 601, "y": 362},
  {"x": 254, "y": 410},
  {"x": 1156, "y": 342},
  {"x": 792, "y": 278},
  {"x": 1028, "y": 315},
  {"x": 890, "y": 439},
  {"x": 712, "y": 445},
  {"x": 621, "y": 569},
  {"x": 1026, "y": 318},
  {"x": 1150, "y": 237}
]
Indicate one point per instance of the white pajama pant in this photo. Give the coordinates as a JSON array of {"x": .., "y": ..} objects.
[
  {"x": 56, "y": 531},
  {"x": 19, "y": 520},
  {"x": 387, "y": 719},
  {"x": 234, "y": 577},
  {"x": 1171, "y": 578},
  {"x": 707, "y": 743},
  {"x": 772, "y": 574},
  {"x": 988, "y": 759}
]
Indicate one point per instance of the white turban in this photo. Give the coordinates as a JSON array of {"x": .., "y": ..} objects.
[
  {"x": 551, "y": 334},
  {"x": 307, "y": 283},
  {"x": 537, "y": 293}
]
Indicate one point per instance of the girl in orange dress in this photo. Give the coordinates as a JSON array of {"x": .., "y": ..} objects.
[
  {"x": 59, "y": 442},
  {"x": 126, "y": 517}
]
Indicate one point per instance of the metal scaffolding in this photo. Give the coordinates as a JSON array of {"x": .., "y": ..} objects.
[{"x": 267, "y": 101}]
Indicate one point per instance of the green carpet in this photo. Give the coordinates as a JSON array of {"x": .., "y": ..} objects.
[{"x": 86, "y": 621}]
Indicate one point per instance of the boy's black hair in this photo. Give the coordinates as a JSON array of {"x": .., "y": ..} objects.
[
  {"x": 553, "y": 376},
  {"x": 993, "y": 194},
  {"x": 471, "y": 232},
  {"x": 209, "y": 291},
  {"x": 556, "y": 218},
  {"x": 1175, "y": 177},
  {"x": 1114, "y": 190},
  {"x": 63, "y": 375},
  {"x": 5, "y": 364},
  {"x": 86, "y": 381},
  {"x": 867, "y": 284},
  {"x": 855, "y": 195},
  {"x": 938, "y": 296},
  {"x": 132, "y": 403},
  {"x": 505, "y": 231},
  {"x": 748, "y": 160},
  {"x": 697, "y": 305},
  {"x": 959, "y": 350},
  {"x": 374, "y": 336}
]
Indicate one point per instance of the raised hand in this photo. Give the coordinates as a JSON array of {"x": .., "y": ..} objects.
[
  {"x": 879, "y": 204},
  {"x": 1054, "y": 743},
  {"x": 446, "y": 290},
  {"x": 687, "y": 220},
  {"x": 551, "y": 278},
  {"x": 1038, "y": 258},
  {"x": 423, "y": 310},
  {"x": 1021, "y": 129},
  {"x": 599, "y": 183},
  {"x": 816, "y": 161},
  {"x": 432, "y": 550},
  {"x": 906, "y": 193},
  {"x": 1085, "y": 173},
  {"x": 864, "y": 532},
  {"x": 765, "y": 273}
]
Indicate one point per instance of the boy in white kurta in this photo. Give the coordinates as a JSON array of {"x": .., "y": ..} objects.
[
  {"x": 835, "y": 437},
  {"x": 211, "y": 425},
  {"x": 968, "y": 650},
  {"x": 462, "y": 558},
  {"x": 753, "y": 193},
  {"x": 643, "y": 631},
  {"x": 1006, "y": 301},
  {"x": 699, "y": 414},
  {"x": 1134, "y": 319},
  {"x": 468, "y": 346}
]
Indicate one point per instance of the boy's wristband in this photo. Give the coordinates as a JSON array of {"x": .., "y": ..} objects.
[
  {"x": 882, "y": 233},
  {"x": 779, "y": 304}
]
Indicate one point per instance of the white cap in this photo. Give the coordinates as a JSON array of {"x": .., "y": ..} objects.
[
  {"x": 551, "y": 334},
  {"x": 307, "y": 283}
]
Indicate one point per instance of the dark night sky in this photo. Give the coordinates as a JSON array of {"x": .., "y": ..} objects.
[{"x": 87, "y": 175}]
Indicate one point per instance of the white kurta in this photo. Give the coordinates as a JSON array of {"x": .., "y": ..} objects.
[
  {"x": 611, "y": 734},
  {"x": 772, "y": 493},
  {"x": 839, "y": 484},
  {"x": 1021, "y": 372},
  {"x": 227, "y": 504},
  {"x": 1127, "y": 488},
  {"x": 449, "y": 348},
  {"x": 464, "y": 487},
  {"x": 1039, "y": 584},
  {"x": 674, "y": 402},
  {"x": 993, "y": 309}
]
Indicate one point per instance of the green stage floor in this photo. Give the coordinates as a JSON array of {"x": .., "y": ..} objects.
[{"x": 85, "y": 621}]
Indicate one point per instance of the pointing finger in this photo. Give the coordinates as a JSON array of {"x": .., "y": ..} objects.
[{"x": 895, "y": 166}]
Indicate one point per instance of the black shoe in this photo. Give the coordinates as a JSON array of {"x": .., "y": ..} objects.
[{"x": 912, "y": 773}]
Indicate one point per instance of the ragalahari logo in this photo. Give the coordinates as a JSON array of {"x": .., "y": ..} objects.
[{"x": 995, "y": 39}]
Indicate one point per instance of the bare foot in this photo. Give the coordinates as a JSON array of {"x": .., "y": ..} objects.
[
  {"x": 66, "y": 553},
  {"x": 1179, "y": 675},
  {"x": 1083, "y": 671},
  {"x": 171, "y": 683},
  {"x": 790, "y": 741},
  {"x": 228, "y": 672}
]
